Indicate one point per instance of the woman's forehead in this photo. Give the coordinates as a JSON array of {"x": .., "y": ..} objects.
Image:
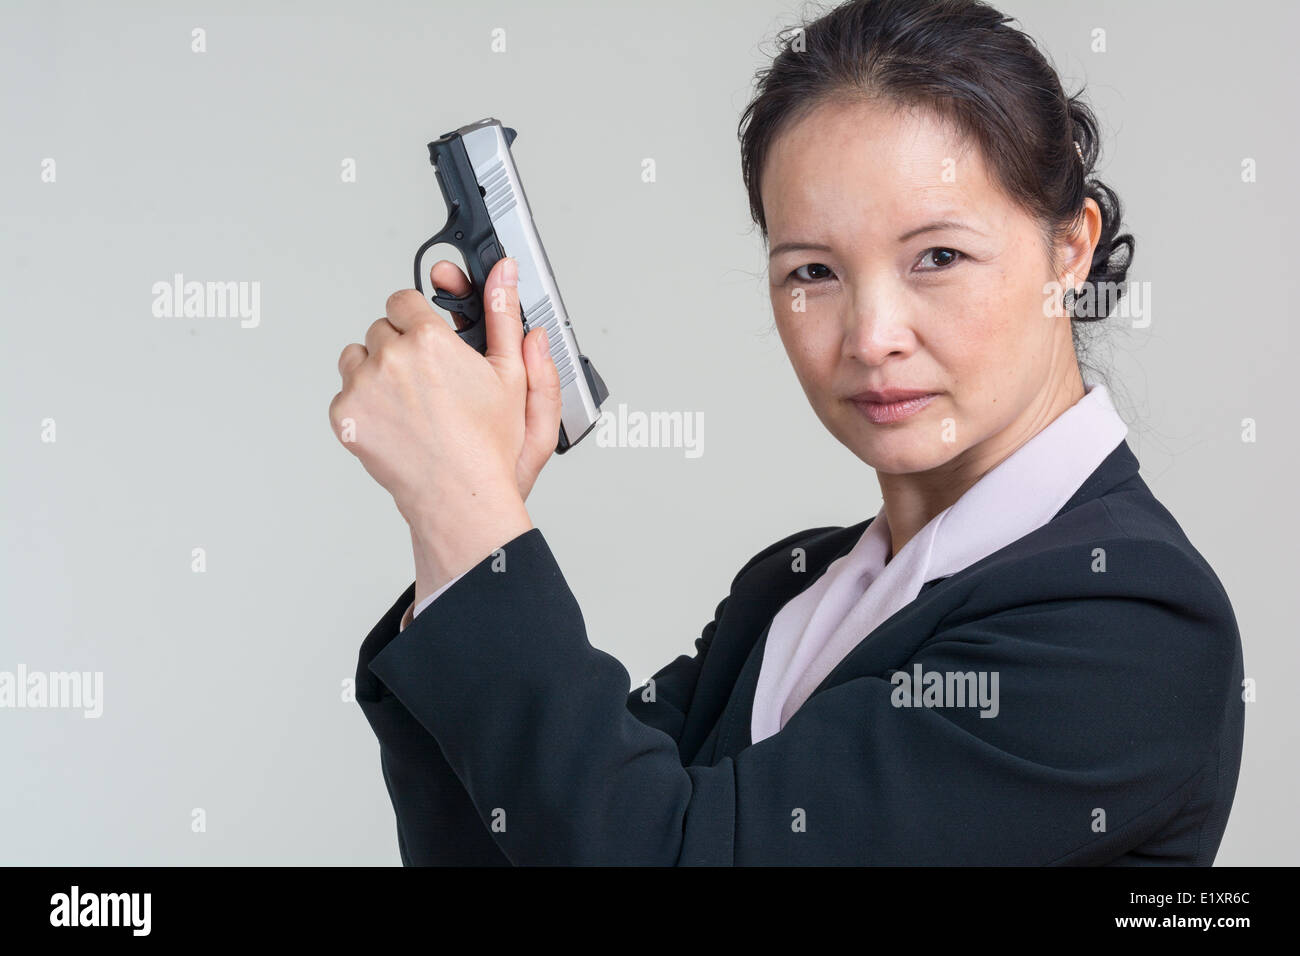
[
  {"x": 861, "y": 164},
  {"x": 838, "y": 128}
]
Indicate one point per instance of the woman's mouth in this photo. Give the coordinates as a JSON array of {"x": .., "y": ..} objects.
[{"x": 894, "y": 410}]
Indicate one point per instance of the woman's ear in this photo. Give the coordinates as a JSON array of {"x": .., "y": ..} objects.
[{"x": 1075, "y": 250}]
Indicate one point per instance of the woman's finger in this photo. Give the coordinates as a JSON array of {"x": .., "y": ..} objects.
[
  {"x": 380, "y": 332},
  {"x": 542, "y": 406},
  {"x": 351, "y": 356},
  {"x": 447, "y": 275}
]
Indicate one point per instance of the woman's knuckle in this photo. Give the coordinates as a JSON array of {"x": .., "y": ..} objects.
[
  {"x": 425, "y": 334},
  {"x": 397, "y": 298}
]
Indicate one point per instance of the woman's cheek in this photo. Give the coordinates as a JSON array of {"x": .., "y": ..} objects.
[
  {"x": 804, "y": 356},
  {"x": 797, "y": 328},
  {"x": 985, "y": 317}
]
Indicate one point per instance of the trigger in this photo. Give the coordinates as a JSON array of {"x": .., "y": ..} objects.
[{"x": 468, "y": 305}]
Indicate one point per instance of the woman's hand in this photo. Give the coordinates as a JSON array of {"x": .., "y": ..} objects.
[
  {"x": 456, "y": 437},
  {"x": 542, "y": 417}
]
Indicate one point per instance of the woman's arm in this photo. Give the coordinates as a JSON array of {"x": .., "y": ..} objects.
[
  {"x": 674, "y": 686},
  {"x": 437, "y": 823},
  {"x": 1112, "y": 705}
]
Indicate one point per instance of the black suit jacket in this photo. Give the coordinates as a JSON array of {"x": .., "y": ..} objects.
[{"x": 506, "y": 738}]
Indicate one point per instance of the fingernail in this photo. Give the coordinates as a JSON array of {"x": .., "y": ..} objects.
[
  {"x": 510, "y": 273},
  {"x": 546, "y": 343}
]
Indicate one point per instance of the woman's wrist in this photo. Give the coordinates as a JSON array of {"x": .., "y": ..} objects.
[{"x": 459, "y": 535}]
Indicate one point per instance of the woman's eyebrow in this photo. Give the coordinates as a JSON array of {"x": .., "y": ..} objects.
[
  {"x": 789, "y": 246},
  {"x": 935, "y": 226}
]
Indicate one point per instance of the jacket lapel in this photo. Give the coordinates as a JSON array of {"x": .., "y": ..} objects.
[
  {"x": 726, "y": 685},
  {"x": 890, "y": 642}
]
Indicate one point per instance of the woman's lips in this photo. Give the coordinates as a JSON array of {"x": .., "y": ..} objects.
[{"x": 883, "y": 413}]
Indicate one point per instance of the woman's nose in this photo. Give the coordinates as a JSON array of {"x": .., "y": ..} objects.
[{"x": 875, "y": 327}]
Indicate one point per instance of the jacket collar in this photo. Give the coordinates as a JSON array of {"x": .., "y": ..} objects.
[
  {"x": 1117, "y": 466},
  {"x": 759, "y": 594}
]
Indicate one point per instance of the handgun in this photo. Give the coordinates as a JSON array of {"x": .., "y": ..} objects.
[{"x": 488, "y": 218}]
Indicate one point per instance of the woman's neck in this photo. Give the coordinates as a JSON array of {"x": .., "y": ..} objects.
[{"x": 912, "y": 500}]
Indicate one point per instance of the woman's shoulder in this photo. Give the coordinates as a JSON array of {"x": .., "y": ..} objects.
[
  {"x": 1141, "y": 516},
  {"x": 1120, "y": 545}
]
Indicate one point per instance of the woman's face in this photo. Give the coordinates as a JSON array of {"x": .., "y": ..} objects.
[{"x": 889, "y": 300}]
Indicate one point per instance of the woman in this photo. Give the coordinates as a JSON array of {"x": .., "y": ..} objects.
[{"x": 1020, "y": 659}]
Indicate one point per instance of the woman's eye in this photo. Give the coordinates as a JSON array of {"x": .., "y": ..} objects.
[
  {"x": 943, "y": 258},
  {"x": 813, "y": 278}
]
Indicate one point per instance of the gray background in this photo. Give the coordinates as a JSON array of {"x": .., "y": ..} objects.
[{"x": 223, "y": 689}]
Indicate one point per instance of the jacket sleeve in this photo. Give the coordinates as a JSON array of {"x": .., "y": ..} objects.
[
  {"x": 1109, "y": 705},
  {"x": 664, "y": 701},
  {"x": 437, "y": 824}
]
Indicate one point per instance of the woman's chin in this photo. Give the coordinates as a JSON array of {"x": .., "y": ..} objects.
[
  {"x": 899, "y": 447},
  {"x": 902, "y": 454}
]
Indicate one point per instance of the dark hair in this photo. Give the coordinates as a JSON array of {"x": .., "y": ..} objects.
[{"x": 960, "y": 59}]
